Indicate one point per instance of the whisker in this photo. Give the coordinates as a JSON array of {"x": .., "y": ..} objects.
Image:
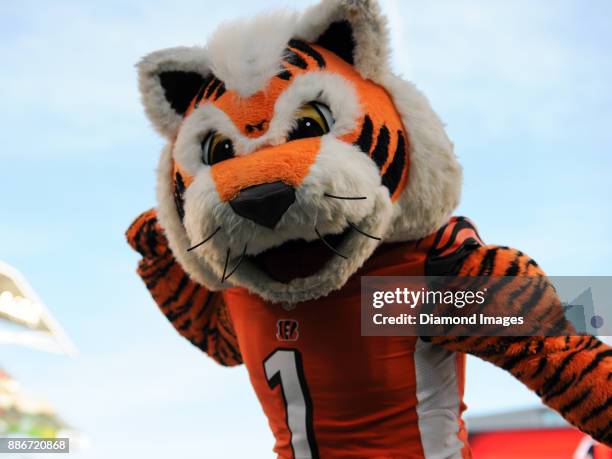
[
  {"x": 352, "y": 225},
  {"x": 327, "y": 244},
  {"x": 205, "y": 240},
  {"x": 227, "y": 255},
  {"x": 237, "y": 264},
  {"x": 349, "y": 198}
]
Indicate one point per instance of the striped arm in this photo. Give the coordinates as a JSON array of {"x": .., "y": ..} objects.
[
  {"x": 571, "y": 374},
  {"x": 197, "y": 314}
]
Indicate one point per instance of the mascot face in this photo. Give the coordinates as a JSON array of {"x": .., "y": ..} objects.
[{"x": 287, "y": 166}]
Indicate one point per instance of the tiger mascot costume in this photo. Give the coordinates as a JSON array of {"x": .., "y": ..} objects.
[{"x": 296, "y": 163}]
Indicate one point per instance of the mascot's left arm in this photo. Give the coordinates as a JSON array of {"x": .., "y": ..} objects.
[{"x": 571, "y": 374}]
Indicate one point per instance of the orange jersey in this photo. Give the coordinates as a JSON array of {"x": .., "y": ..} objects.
[{"x": 329, "y": 392}]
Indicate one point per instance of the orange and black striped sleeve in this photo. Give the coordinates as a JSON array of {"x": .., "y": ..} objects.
[
  {"x": 196, "y": 313},
  {"x": 571, "y": 373}
]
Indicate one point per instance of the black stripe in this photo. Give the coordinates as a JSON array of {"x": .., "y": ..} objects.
[
  {"x": 174, "y": 314},
  {"x": 595, "y": 344},
  {"x": 294, "y": 58},
  {"x": 438, "y": 237},
  {"x": 284, "y": 75},
  {"x": 381, "y": 150},
  {"x": 139, "y": 239},
  {"x": 459, "y": 225},
  {"x": 604, "y": 435},
  {"x": 188, "y": 303},
  {"x": 179, "y": 191},
  {"x": 575, "y": 403},
  {"x": 393, "y": 174},
  {"x": 179, "y": 289},
  {"x": 204, "y": 307},
  {"x": 561, "y": 390},
  {"x": 207, "y": 81},
  {"x": 532, "y": 263},
  {"x": 596, "y": 361},
  {"x": 493, "y": 294},
  {"x": 236, "y": 357},
  {"x": 516, "y": 359},
  {"x": 539, "y": 346},
  {"x": 151, "y": 238},
  {"x": 537, "y": 295},
  {"x": 153, "y": 279},
  {"x": 553, "y": 380},
  {"x": 597, "y": 410},
  {"x": 364, "y": 142},
  {"x": 450, "y": 265},
  {"x": 541, "y": 365},
  {"x": 307, "y": 49},
  {"x": 499, "y": 346},
  {"x": 220, "y": 91},
  {"x": 519, "y": 291},
  {"x": 545, "y": 317},
  {"x": 514, "y": 267},
  {"x": 158, "y": 267},
  {"x": 216, "y": 82},
  {"x": 486, "y": 265},
  {"x": 589, "y": 342}
]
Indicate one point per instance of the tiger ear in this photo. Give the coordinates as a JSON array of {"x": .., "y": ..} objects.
[
  {"x": 168, "y": 80},
  {"x": 355, "y": 30}
]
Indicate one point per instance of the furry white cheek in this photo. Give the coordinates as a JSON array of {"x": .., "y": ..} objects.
[
  {"x": 341, "y": 170},
  {"x": 201, "y": 198}
]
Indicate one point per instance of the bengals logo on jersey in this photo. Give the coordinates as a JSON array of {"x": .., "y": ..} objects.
[{"x": 287, "y": 330}]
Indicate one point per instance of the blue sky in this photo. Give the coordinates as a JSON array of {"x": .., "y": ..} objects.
[{"x": 523, "y": 87}]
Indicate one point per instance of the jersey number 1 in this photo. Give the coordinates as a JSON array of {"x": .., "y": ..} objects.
[{"x": 284, "y": 367}]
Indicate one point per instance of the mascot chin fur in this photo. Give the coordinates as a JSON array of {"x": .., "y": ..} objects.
[{"x": 296, "y": 163}]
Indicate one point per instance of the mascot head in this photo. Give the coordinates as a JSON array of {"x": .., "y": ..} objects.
[{"x": 294, "y": 151}]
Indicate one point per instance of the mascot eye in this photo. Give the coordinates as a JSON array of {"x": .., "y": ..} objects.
[
  {"x": 313, "y": 120},
  {"x": 216, "y": 148}
]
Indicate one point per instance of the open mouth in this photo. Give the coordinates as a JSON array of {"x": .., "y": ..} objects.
[{"x": 298, "y": 258}]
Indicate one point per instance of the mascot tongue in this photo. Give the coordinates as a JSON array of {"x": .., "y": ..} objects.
[{"x": 297, "y": 258}]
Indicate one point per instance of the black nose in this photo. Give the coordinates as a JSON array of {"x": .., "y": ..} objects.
[{"x": 265, "y": 204}]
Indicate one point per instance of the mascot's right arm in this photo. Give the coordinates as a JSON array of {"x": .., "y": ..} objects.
[{"x": 197, "y": 313}]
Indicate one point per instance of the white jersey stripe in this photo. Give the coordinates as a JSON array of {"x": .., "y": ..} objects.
[{"x": 438, "y": 401}]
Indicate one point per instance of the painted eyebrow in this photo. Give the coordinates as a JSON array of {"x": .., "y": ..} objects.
[
  {"x": 308, "y": 50},
  {"x": 293, "y": 58},
  {"x": 211, "y": 86}
]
